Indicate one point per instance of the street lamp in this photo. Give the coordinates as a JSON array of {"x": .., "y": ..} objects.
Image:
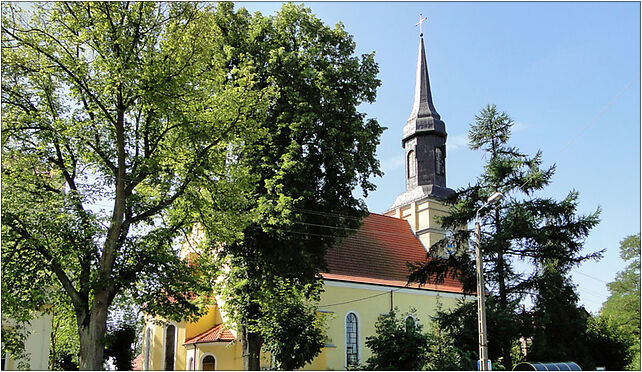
[{"x": 481, "y": 293}]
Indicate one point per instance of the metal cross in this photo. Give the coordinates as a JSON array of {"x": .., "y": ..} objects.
[{"x": 421, "y": 20}]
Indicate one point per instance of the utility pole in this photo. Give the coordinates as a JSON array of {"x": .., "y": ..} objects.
[
  {"x": 481, "y": 288},
  {"x": 481, "y": 303}
]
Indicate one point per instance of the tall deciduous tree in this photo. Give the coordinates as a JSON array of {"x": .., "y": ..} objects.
[
  {"x": 623, "y": 305},
  {"x": 523, "y": 228},
  {"x": 315, "y": 149},
  {"x": 131, "y": 105}
]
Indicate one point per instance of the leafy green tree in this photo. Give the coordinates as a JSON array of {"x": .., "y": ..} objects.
[
  {"x": 293, "y": 331},
  {"x": 131, "y": 105},
  {"x": 443, "y": 354},
  {"x": 523, "y": 228},
  {"x": 399, "y": 344},
  {"x": 623, "y": 305},
  {"x": 315, "y": 148},
  {"x": 64, "y": 345},
  {"x": 610, "y": 346}
]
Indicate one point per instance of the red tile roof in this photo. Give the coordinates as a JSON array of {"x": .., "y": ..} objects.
[
  {"x": 214, "y": 334},
  {"x": 137, "y": 363},
  {"x": 377, "y": 254}
]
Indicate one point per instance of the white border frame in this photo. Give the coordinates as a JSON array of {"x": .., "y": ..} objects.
[
  {"x": 200, "y": 363},
  {"x": 345, "y": 336},
  {"x": 164, "y": 347}
]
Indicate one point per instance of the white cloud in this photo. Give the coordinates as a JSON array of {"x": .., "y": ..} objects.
[
  {"x": 456, "y": 141},
  {"x": 392, "y": 163},
  {"x": 519, "y": 126}
]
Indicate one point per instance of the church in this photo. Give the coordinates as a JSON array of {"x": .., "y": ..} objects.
[{"x": 367, "y": 272}]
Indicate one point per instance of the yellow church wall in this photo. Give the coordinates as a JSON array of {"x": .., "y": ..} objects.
[
  {"x": 204, "y": 323},
  {"x": 158, "y": 345},
  {"x": 376, "y": 301},
  {"x": 367, "y": 301},
  {"x": 227, "y": 355}
]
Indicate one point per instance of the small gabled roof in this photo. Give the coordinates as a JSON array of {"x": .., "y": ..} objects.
[
  {"x": 378, "y": 253},
  {"x": 218, "y": 333}
]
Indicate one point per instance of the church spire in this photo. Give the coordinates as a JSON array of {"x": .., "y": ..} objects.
[
  {"x": 424, "y": 139},
  {"x": 423, "y": 106},
  {"x": 423, "y": 116}
]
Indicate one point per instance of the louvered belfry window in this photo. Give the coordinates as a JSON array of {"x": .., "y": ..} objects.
[{"x": 352, "y": 339}]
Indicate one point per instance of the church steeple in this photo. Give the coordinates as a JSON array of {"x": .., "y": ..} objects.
[
  {"x": 424, "y": 143},
  {"x": 424, "y": 138},
  {"x": 423, "y": 116}
]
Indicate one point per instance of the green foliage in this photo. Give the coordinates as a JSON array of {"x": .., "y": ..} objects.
[
  {"x": 64, "y": 345},
  {"x": 122, "y": 125},
  {"x": 623, "y": 305},
  {"x": 558, "y": 323},
  {"x": 314, "y": 149},
  {"x": 396, "y": 345},
  {"x": 293, "y": 332},
  {"x": 443, "y": 354},
  {"x": 610, "y": 346},
  {"x": 460, "y": 324},
  {"x": 523, "y": 228}
]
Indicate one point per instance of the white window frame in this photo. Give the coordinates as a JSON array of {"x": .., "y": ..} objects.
[
  {"x": 203, "y": 357},
  {"x": 345, "y": 337},
  {"x": 164, "y": 347},
  {"x": 413, "y": 318}
]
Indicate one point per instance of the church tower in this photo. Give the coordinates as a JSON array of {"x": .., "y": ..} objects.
[{"x": 424, "y": 144}]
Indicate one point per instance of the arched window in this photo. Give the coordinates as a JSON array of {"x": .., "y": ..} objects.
[
  {"x": 411, "y": 164},
  {"x": 411, "y": 323},
  {"x": 170, "y": 346},
  {"x": 148, "y": 343},
  {"x": 209, "y": 363},
  {"x": 352, "y": 339}
]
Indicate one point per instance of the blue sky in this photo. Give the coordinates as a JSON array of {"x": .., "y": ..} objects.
[{"x": 567, "y": 73}]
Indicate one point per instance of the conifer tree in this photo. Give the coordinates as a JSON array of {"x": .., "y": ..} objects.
[{"x": 523, "y": 228}]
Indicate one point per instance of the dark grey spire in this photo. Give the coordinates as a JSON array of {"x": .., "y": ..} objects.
[
  {"x": 424, "y": 142},
  {"x": 424, "y": 116}
]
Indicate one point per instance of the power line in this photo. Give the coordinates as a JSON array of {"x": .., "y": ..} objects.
[
  {"x": 592, "y": 121},
  {"x": 361, "y": 299},
  {"x": 592, "y": 277},
  {"x": 599, "y": 114}
]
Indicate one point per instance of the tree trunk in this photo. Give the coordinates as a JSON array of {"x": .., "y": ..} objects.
[
  {"x": 251, "y": 344},
  {"x": 91, "y": 330},
  {"x": 505, "y": 343}
]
